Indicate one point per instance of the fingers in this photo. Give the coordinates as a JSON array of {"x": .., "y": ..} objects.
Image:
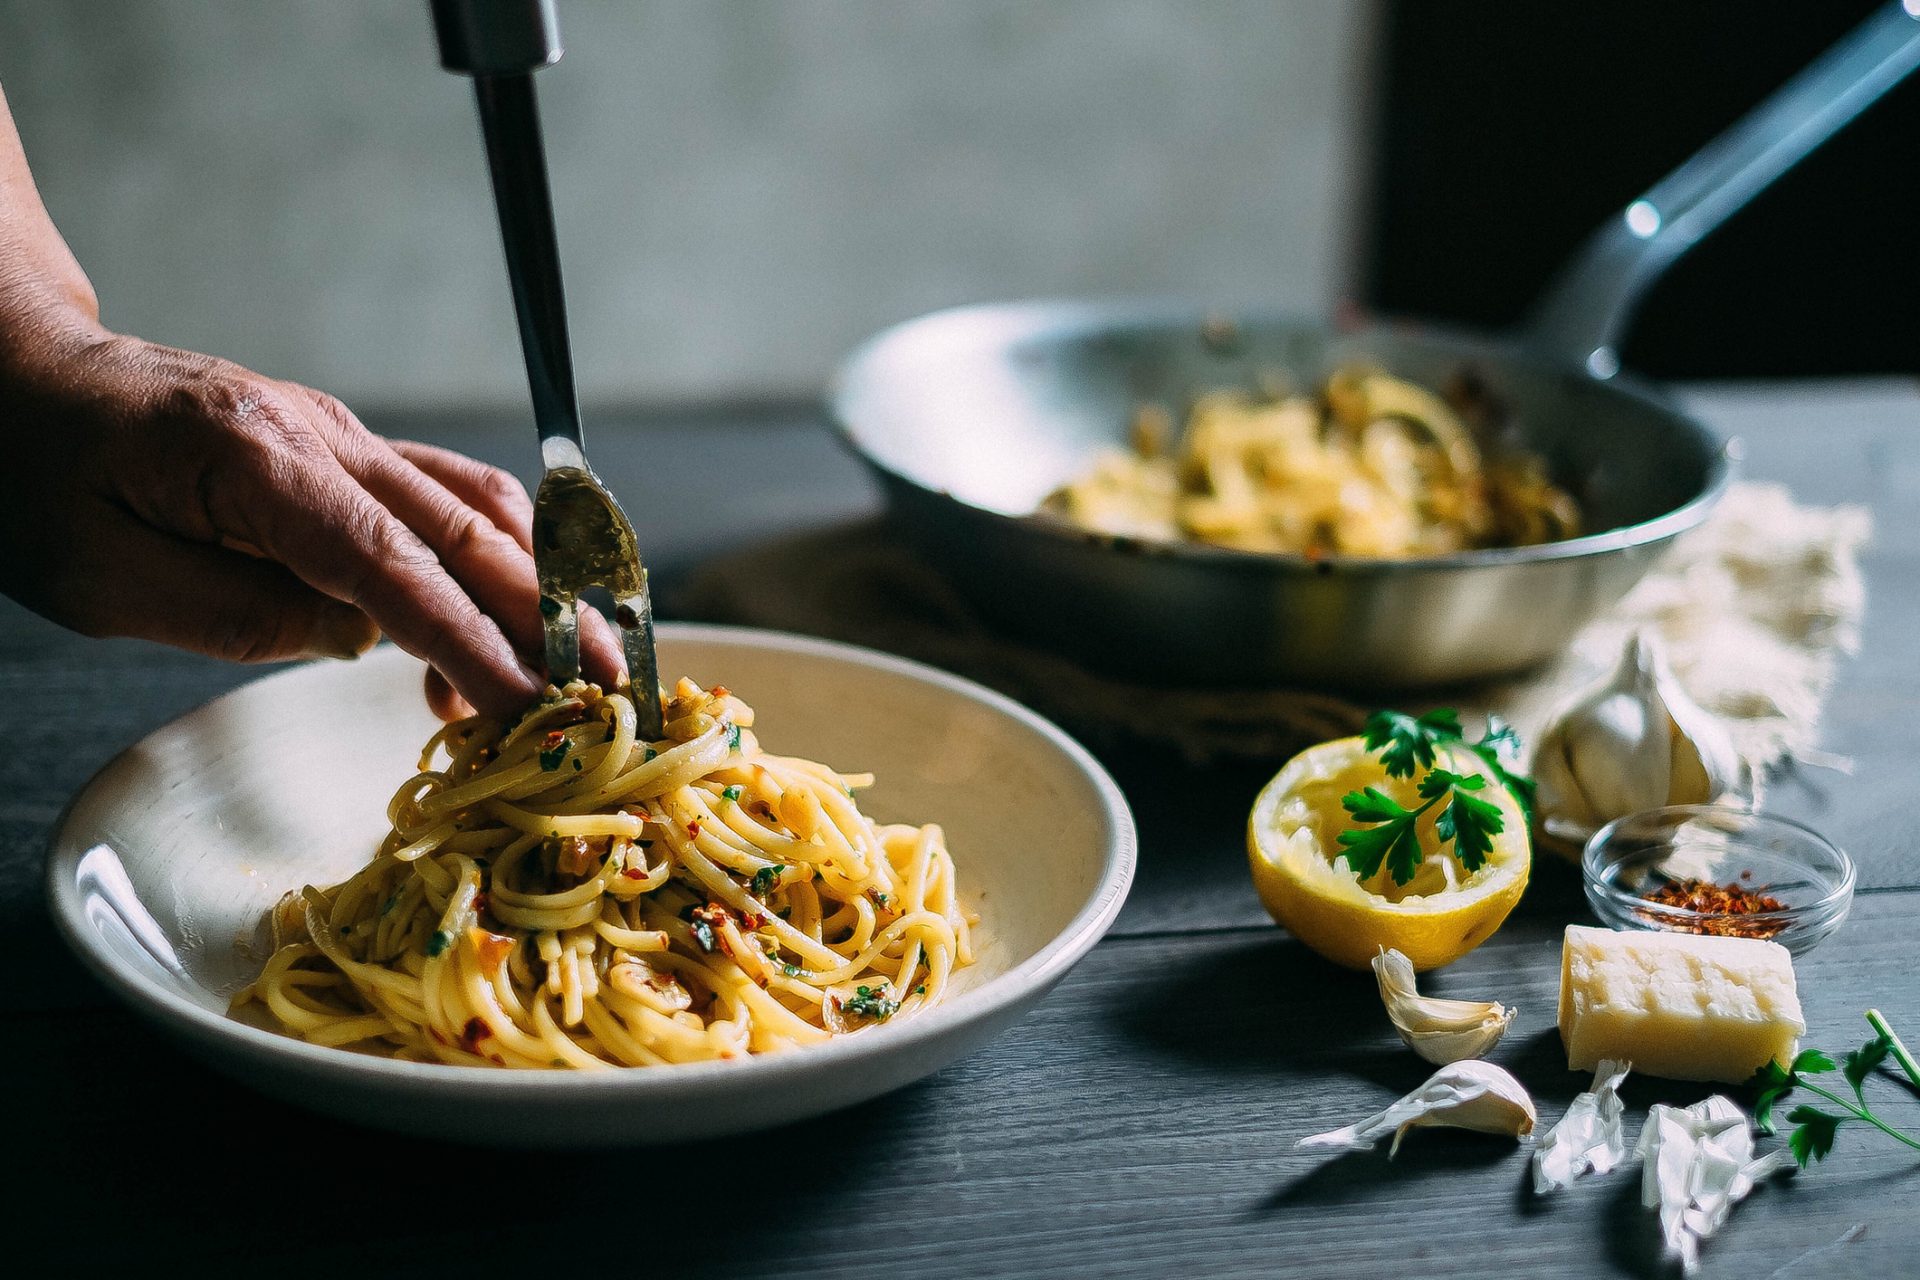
[
  {"x": 489, "y": 490},
  {"x": 496, "y": 569},
  {"x": 204, "y": 598},
  {"x": 283, "y": 490},
  {"x": 444, "y": 700}
]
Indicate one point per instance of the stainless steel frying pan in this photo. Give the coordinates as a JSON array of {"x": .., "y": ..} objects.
[{"x": 971, "y": 417}]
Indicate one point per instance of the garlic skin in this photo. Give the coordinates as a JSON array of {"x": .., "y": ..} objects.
[
  {"x": 1465, "y": 1095},
  {"x": 1590, "y": 1137},
  {"x": 1698, "y": 1164},
  {"x": 1633, "y": 743},
  {"x": 1441, "y": 1031}
]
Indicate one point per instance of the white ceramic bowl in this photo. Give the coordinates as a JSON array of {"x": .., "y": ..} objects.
[{"x": 165, "y": 863}]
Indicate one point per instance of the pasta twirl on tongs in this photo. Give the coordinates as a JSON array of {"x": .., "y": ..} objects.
[{"x": 558, "y": 893}]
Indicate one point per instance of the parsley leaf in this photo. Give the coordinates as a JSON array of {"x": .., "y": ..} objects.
[
  {"x": 1468, "y": 822},
  {"x": 730, "y": 793},
  {"x": 1812, "y": 1062},
  {"x": 1405, "y": 742},
  {"x": 872, "y": 1002},
  {"x": 765, "y": 878},
  {"x": 1814, "y": 1138},
  {"x": 1498, "y": 748},
  {"x": 550, "y": 757},
  {"x": 1774, "y": 1082},
  {"x": 1394, "y": 841},
  {"x": 1862, "y": 1062},
  {"x": 733, "y": 737}
]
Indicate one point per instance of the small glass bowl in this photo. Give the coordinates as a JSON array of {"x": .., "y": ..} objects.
[{"x": 1794, "y": 864}]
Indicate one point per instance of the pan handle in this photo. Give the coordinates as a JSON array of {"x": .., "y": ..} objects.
[{"x": 1585, "y": 311}]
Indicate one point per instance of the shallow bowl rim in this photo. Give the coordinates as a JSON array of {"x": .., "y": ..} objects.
[{"x": 1025, "y": 980}]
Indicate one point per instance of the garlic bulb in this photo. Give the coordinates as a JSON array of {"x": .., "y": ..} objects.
[
  {"x": 1636, "y": 742},
  {"x": 1465, "y": 1095},
  {"x": 1441, "y": 1031}
]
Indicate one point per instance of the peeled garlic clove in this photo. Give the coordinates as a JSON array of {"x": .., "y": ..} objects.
[
  {"x": 1463, "y": 1095},
  {"x": 1699, "y": 1163},
  {"x": 1590, "y": 1137},
  {"x": 1635, "y": 742},
  {"x": 1441, "y": 1031}
]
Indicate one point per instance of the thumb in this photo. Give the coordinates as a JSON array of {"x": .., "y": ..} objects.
[{"x": 222, "y": 603}]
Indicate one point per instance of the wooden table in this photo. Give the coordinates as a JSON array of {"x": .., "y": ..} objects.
[{"x": 1139, "y": 1123}]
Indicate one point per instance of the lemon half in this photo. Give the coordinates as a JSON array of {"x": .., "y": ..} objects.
[{"x": 1435, "y": 918}]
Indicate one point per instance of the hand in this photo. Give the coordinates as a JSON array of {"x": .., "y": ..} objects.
[{"x": 178, "y": 497}]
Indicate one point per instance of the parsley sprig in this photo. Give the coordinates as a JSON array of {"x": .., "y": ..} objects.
[
  {"x": 1406, "y": 743},
  {"x": 1467, "y": 820},
  {"x": 1814, "y": 1128}
]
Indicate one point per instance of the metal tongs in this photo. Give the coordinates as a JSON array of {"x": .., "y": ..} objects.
[{"x": 581, "y": 538}]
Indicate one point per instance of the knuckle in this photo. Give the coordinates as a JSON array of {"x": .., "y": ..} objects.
[
  {"x": 256, "y": 424},
  {"x": 471, "y": 535},
  {"x": 392, "y": 562},
  {"x": 334, "y": 412},
  {"x": 235, "y": 635},
  {"x": 501, "y": 486}
]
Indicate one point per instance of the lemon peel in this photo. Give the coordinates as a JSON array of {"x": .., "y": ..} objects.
[{"x": 1439, "y": 915}]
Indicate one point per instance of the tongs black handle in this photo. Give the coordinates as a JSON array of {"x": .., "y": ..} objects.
[{"x": 501, "y": 43}]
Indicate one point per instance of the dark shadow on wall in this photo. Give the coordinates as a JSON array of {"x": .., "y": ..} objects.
[{"x": 1506, "y": 132}]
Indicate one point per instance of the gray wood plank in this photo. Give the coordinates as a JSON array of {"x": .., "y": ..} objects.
[{"x": 1139, "y": 1123}]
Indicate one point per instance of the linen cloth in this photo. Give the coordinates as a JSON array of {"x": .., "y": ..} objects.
[{"x": 1755, "y": 610}]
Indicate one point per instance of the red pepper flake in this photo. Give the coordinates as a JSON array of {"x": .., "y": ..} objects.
[
  {"x": 753, "y": 920},
  {"x": 1722, "y": 904},
  {"x": 634, "y": 873},
  {"x": 473, "y": 1033},
  {"x": 554, "y": 739},
  {"x": 492, "y": 948},
  {"x": 574, "y": 857},
  {"x": 721, "y": 691},
  {"x": 479, "y": 902},
  {"x": 693, "y": 829}
]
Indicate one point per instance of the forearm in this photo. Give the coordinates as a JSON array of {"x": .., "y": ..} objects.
[{"x": 45, "y": 298}]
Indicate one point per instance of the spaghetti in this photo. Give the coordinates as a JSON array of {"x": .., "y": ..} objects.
[
  {"x": 1373, "y": 466},
  {"x": 559, "y": 893}
]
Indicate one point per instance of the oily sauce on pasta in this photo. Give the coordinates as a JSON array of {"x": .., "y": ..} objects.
[
  {"x": 1372, "y": 466},
  {"x": 558, "y": 893}
]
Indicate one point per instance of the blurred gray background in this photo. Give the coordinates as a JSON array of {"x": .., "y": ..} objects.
[{"x": 744, "y": 188}]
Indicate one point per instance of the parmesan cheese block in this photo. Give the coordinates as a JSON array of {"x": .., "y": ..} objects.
[{"x": 1677, "y": 1005}]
